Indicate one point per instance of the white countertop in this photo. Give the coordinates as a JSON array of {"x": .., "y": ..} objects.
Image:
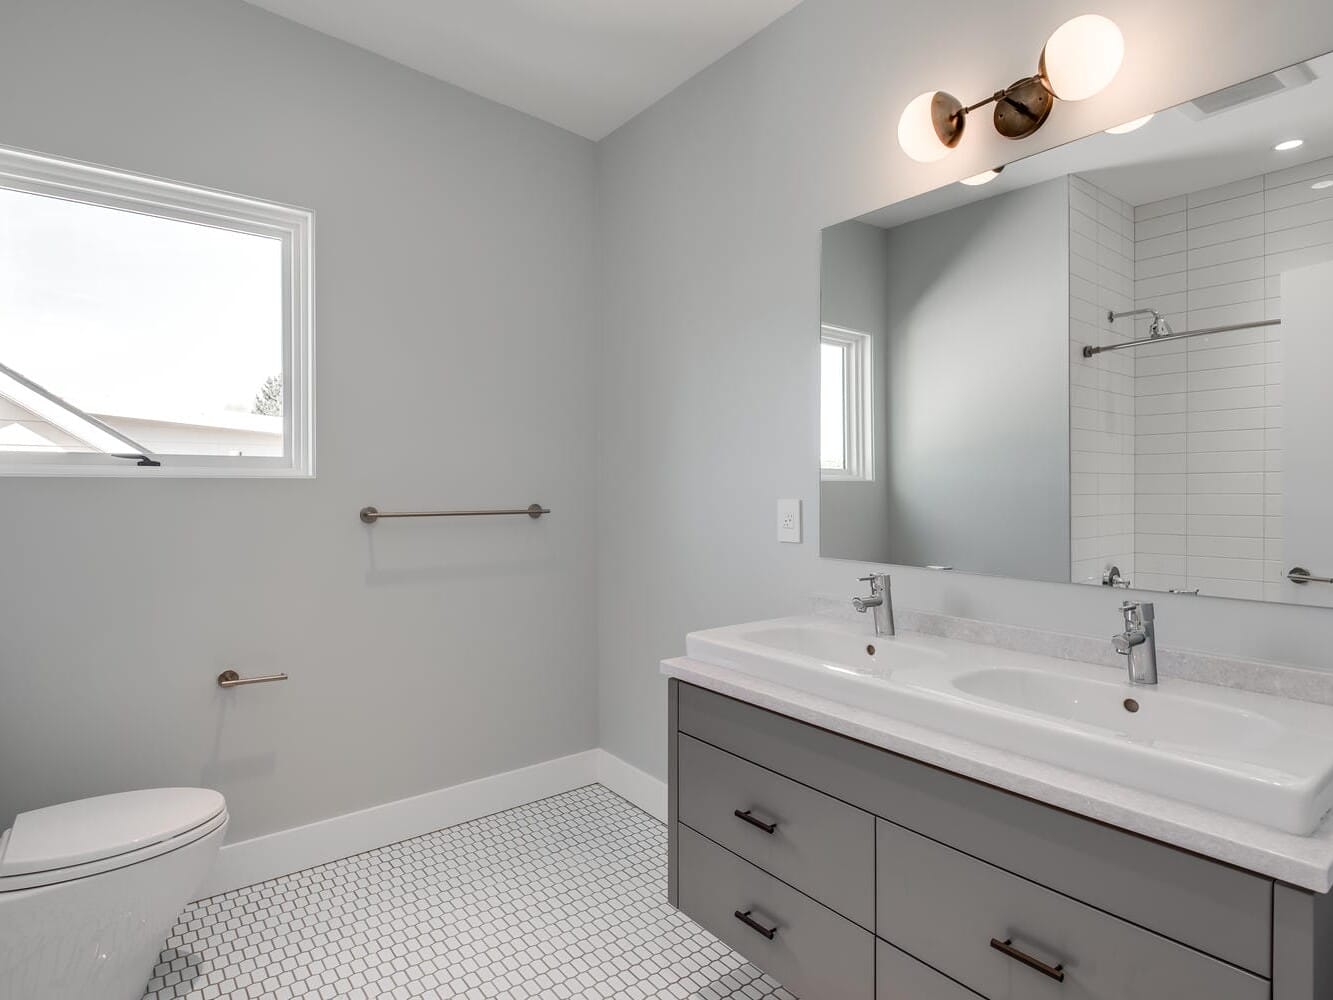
[{"x": 1306, "y": 861}]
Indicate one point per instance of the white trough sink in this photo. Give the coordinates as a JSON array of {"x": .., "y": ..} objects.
[{"x": 1252, "y": 756}]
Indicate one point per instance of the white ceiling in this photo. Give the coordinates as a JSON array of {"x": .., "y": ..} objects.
[{"x": 586, "y": 65}]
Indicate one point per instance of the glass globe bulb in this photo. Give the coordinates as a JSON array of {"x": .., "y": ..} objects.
[
  {"x": 1130, "y": 126},
  {"x": 985, "y": 177},
  {"x": 1082, "y": 57},
  {"x": 917, "y": 128}
]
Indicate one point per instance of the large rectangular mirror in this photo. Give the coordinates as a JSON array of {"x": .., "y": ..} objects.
[{"x": 1109, "y": 365}]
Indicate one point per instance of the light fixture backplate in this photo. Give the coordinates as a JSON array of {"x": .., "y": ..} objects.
[{"x": 1023, "y": 109}]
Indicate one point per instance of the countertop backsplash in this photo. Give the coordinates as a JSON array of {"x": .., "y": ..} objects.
[{"x": 1282, "y": 680}]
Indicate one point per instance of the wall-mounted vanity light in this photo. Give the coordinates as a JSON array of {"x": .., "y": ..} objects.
[{"x": 1080, "y": 59}]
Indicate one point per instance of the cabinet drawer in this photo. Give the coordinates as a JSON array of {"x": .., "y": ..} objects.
[
  {"x": 821, "y": 846},
  {"x": 899, "y": 976},
  {"x": 813, "y": 952},
  {"x": 1215, "y": 908},
  {"x": 951, "y": 911}
]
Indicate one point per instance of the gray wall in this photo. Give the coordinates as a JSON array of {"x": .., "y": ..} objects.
[
  {"x": 978, "y": 399},
  {"x": 457, "y": 283},
  {"x": 853, "y": 516},
  {"x": 711, "y": 207},
  {"x": 456, "y": 357}
]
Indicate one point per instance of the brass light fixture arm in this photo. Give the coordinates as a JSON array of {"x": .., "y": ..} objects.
[
  {"x": 1007, "y": 92},
  {"x": 997, "y": 96},
  {"x": 1020, "y": 109}
]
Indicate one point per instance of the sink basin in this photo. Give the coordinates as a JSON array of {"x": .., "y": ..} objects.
[
  {"x": 1256, "y": 757},
  {"x": 809, "y": 657},
  {"x": 862, "y": 653},
  {"x": 1158, "y": 717}
]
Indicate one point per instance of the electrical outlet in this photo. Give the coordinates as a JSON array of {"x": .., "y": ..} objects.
[{"x": 789, "y": 521}]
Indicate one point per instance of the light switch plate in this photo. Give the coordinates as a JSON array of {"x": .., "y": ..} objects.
[{"x": 789, "y": 521}]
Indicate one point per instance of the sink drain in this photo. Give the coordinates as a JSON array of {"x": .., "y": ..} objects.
[
  {"x": 1131, "y": 705},
  {"x": 870, "y": 650}
]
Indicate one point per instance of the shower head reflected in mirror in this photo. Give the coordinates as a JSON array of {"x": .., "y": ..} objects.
[{"x": 1157, "y": 327}]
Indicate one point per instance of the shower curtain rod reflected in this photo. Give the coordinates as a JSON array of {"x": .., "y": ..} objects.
[{"x": 1089, "y": 352}]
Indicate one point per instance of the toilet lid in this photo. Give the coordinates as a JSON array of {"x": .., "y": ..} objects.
[{"x": 76, "y": 833}]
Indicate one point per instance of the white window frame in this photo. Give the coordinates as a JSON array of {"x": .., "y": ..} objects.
[
  {"x": 858, "y": 410},
  {"x": 35, "y": 173}
]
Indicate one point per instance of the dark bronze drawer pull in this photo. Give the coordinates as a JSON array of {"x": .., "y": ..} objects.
[
  {"x": 1056, "y": 972},
  {"x": 766, "y": 827},
  {"x": 755, "y": 925}
]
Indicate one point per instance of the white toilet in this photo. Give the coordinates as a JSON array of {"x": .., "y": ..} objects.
[{"x": 89, "y": 889}]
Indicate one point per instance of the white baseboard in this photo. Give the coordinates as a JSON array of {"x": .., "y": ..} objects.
[
  {"x": 260, "y": 858},
  {"x": 637, "y": 787}
]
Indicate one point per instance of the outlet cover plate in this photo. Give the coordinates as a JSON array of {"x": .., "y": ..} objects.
[{"x": 789, "y": 521}]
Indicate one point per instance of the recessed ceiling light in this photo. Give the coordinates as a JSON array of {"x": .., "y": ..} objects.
[
  {"x": 985, "y": 177},
  {"x": 1327, "y": 182},
  {"x": 1287, "y": 144},
  {"x": 1137, "y": 123}
]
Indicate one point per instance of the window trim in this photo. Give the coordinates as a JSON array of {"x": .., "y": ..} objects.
[
  {"x": 72, "y": 180},
  {"x": 858, "y": 404}
]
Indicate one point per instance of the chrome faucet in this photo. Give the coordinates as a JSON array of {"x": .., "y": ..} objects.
[
  {"x": 1112, "y": 578},
  {"x": 1138, "y": 642},
  {"x": 881, "y": 599}
]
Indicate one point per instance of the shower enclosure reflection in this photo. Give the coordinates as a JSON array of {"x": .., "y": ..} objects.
[{"x": 1106, "y": 367}]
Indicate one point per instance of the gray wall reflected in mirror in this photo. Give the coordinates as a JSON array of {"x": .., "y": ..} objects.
[{"x": 963, "y": 427}]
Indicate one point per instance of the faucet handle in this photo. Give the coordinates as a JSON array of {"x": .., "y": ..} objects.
[
  {"x": 1137, "y": 613},
  {"x": 876, "y": 581}
]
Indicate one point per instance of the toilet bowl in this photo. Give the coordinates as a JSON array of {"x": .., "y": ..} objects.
[{"x": 89, "y": 889}]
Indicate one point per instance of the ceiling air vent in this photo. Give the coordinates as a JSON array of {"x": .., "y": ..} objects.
[{"x": 1251, "y": 90}]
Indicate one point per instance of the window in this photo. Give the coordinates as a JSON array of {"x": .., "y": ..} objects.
[
  {"x": 846, "y": 409},
  {"x": 149, "y": 328}
]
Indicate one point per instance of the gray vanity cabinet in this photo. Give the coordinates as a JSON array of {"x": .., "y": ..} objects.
[
  {"x": 816, "y": 844},
  {"x": 899, "y": 976},
  {"x": 812, "y": 950},
  {"x": 845, "y": 871},
  {"x": 959, "y": 915}
]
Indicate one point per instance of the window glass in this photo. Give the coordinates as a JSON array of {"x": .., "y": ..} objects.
[
  {"x": 168, "y": 332},
  {"x": 833, "y": 406}
]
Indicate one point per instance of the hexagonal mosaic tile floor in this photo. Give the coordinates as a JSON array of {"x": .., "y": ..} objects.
[{"x": 561, "y": 898}]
